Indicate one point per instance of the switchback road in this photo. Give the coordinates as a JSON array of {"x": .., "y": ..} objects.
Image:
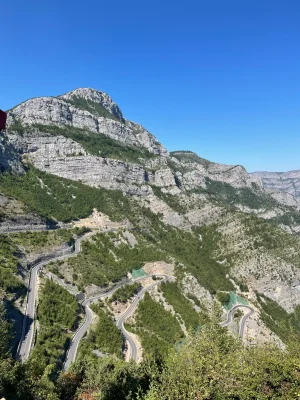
[
  {"x": 230, "y": 316},
  {"x": 72, "y": 352},
  {"x": 29, "y": 315}
]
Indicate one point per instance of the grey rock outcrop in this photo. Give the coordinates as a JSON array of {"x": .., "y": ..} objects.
[
  {"x": 9, "y": 156},
  {"x": 288, "y": 182},
  {"x": 95, "y": 96}
]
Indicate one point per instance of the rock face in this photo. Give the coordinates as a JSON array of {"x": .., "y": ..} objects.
[
  {"x": 9, "y": 157},
  {"x": 58, "y": 112},
  {"x": 288, "y": 182},
  {"x": 96, "y": 97}
]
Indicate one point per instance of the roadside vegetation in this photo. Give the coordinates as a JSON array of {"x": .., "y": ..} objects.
[
  {"x": 104, "y": 336},
  {"x": 123, "y": 294},
  {"x": 9, "y": 266},
  {"x": 39, "y": 241},
  {"x": 223, "y": 297},
  {"x": 103, "y": 259},
  {"x": 157, "y": 328},
  {"x": 57, "y": 315},
  {"x": 14, "y": 247}
]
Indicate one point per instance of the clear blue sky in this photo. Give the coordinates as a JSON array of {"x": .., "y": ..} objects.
[{"x": 221, "y": 78}]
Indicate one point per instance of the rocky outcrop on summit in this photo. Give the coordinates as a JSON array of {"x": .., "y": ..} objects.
[
  {"x": 58, "y": 112},
  {"x": 95, "y": 96},
  {"x": 288, "y": 182}
]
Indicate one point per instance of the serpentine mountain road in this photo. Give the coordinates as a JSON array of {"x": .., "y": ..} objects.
[
  {"x": 25, "y": 343},
  {"x": 230, "y": 316},
  {"x": 71, "y": 354},
  {"x": 28, "y": 321}
]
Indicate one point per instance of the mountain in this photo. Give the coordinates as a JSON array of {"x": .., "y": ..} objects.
[{"x": 72, "y": 164}]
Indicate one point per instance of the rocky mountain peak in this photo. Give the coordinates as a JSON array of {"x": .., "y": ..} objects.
[{"x": 85, "y": 97}]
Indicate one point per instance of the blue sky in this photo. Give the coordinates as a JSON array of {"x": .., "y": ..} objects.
[{"x": 221, "y": 78}]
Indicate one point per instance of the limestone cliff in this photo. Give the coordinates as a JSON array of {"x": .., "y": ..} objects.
[{"x": 287, "y": 182}]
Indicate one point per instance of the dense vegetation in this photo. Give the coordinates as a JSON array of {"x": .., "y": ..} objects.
[
  {"x": 223, "y": 297},
  {"x": 62, "y": 199},
  {"x": 40, "y": 241},
  {"x": 181, "y": 305},
  {"x": 157, "y": 328},
  {"x": 123, "y": 294},
  {"x": 57, "y": 314},
  {"x": 213, "y": 365},
  {"x": 217, "y": 366},
  {"x": 104, "y": 336}
]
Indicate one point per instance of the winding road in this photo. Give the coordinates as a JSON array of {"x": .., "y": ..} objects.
[
  {"x": 230, "y": 315},
  {"x": 27, "y": 336},
  {"x": 29, "y": 314},
  {"x": 71, "y": 354},
  {"x": 130, "y": 310}
]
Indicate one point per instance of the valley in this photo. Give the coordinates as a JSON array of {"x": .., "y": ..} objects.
[{"x": 116, "y": 253}]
